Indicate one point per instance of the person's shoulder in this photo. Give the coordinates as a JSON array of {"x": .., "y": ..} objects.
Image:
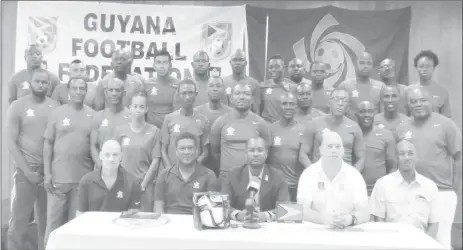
[
  {"x": 444, "y": 120},
  {"x": 266, "y": 84},
  {"x": 255, "y": 117},
  {"x": 352, "y": 171},
  {"x": 51, "y": 103},
  {"x": 386, "y": 180},
  {"x": 90, "y": 177},
  {"x": 204, "y": 171},
  {"x": 90, "y": 111},
  {"x": 276, "y": 174},
  {"x": 20, "y": 75},
  {"x": 228, "y": 78},
  {"x": 275, "y": 125},
  {"x": 150, "y": 128},
  {"x": 199, "y": 115},
  {"x": 310, "y": 171},
  {"x": 174, "y": 114},
  {"x": 201, "y": 108},
  {"x": 426, "y": 181},
  {"x": 377, "y": 83},
  {"x": 136, "y": 77}
]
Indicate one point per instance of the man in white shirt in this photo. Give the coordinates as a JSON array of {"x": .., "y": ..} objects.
[
  {"x": 331, "y": 191},
  {"x": 405, "y": 196}
]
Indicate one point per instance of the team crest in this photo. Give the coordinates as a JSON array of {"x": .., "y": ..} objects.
[
  {"x": 43, "y": 32},
  {"x": 216, "y": 40}
]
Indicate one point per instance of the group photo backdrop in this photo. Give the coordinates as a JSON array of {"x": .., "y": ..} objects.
[{"x": 334, "y": 31}]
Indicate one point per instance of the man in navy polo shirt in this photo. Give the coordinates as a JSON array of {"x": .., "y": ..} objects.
[
  {"x": 110, "y": 189},
  {"x": 175, "y": 186}
]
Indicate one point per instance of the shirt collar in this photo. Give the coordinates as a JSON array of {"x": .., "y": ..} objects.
[
  {"x": 120, "y": 177},
  {"x": 322, "y": 175},
  {"x": 400, "y": 179},
  {"x": 176, "y": 171},
  {"x": 260, "y": 175}
]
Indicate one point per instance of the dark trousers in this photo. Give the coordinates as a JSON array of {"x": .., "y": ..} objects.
[
  {"x": 293, "y": 193},
  {"x": 26, "y": 197}
]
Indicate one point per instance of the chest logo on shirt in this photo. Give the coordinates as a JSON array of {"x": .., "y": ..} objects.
[
  {"x": 277, "y": 141},
  {"x": 154, "y": 91},
  {"x": 25, "y": 85},
  {"x": 381, "y": 126},
  {"x": 120, "y": 195},
  {"x": 69, "y": 97},
  {"x": 104, "y": 123},
  {"x": 228, "y": 91},
  {"x": 126, "y": 141},
  {"x": 355, "y": 93},
  {"x": 196, "y": 185},
  {"x": 176, "y": 128},
  {"x": 408, "y": 135},
  {"x": 66, "y": 121},
  {"x": 230, "y": 131},
  {"x": 30, "y": 112},
  {"x": 436, "y": 125},
  {"x": 268, "y": 91},
  {"x": 435, "y": 96}
]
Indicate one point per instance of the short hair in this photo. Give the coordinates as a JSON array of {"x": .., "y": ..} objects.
[
  {"x": 186, "y": 136},
  {"x": 31, "y": 46},
  {"x": 162, "y": 52},
  {"x": 429, "y": 54},
  {"x": 277, "y": 57},
  {"x": 76, "y": 61},
  {"x": 40, "y": 70},
  {"x": 76, "y": 78},
  {"x": 185, "y": 82}
]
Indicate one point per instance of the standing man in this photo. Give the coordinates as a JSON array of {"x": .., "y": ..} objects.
[
  {"x": 238, "y": 63},
  {"x": 66, "y": 155},
  {"x": 120, "y": 62},
  {"x": 297, "y": 72},
  {"x": 363, "y": 88},
  {"x": 77, "y": 69},
  {"x": 379, "y": 146},
  {"x": 405, "y": 196},
  {"x": 213, "y": 110},
  {"x": 184, "y": 120},
  {"x": 425, "y": 63},
  {"x": 19, "y": 85},
  {"x": 230, "y": 132},
  {"x": 161, "y": 89},
  {"x": 305, "y": 112},
  {"x": 387, "y": 74},
  {"x": 26, "y": 123},
  {"x": 438, "y": 146},
  {"x": 321, "y": 95},
  {"x": 107, "y": 120},
  {"x": 327, "y": 199},
  {"x": 350, "y": 132},
  {"x": 273, "y": 88},
  {"x": 175, "y": 186},
  {"x": 286, "y": 137},
  {"x": 390, "y": 118},
  {"x": 272, "y": 187}
]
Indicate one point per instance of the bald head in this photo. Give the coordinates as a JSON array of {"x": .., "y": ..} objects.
[
  {"x": 366, "y": 105},
  {"x": 331, "y": 147},
  {"x": 239, "y": 53},
  {"x": 200, "y": 63},
  {"x": 111, "y": 145},
  {"x": 201, "y": 55}
]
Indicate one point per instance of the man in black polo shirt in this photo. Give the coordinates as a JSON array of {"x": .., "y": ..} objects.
[
  {"x": 110, "y": 189},
  {"x": 175, "y": 186}
]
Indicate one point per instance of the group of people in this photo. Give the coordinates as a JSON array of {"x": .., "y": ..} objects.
[{"x": 364, "y": 150}]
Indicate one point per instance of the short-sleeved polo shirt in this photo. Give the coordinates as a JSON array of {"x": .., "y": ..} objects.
[
  {"x": 284, "y": 150},
  {"x": 380, "y": 146},
  {"x": 138, "y": 149},
  {"x": 392, "y": 124},
  {"x": 160, "y": 99},
  {"x": 360, "y": 92},
  {"x": 70, "y": 130},
  {"x": 94, "y": 195},
  {"x": 306, "y": 118},
  {"x": 210, "y": 114},
  {"x": 105, "y": 122},
  {"x": 176, "y": 123},
  {"x": 271, "y": 94},
  {"x": 32, "y": 118},
  {"x": 350, "y": 132},
  {"x": 230, "y": 133},
  {"x": 177, "y": 193},
  {"x": 436, "y": 141},
  {"x": 315, "y": 191},
  {"x": 395, "y": 200}
]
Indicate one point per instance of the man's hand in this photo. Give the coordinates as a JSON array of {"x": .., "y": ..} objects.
[
  {"x": 49, "y": 185},
  {"x": 33, "y": 177},
  {"x": 341, "y": 220},
  {"x": 242, "y": 215},
  {"x": 143, "y": 185}
]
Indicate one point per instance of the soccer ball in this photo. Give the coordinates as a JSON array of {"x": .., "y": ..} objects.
[
  {"x": 330, "y": 53},
  {"x": 42, "y": 42},
  {"x": 217, "y": 47}
]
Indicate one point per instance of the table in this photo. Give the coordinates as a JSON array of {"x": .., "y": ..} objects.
[{"x": 96, "y": 230}]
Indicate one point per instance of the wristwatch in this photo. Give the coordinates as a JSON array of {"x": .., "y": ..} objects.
[{"x": 354, "y": 220}]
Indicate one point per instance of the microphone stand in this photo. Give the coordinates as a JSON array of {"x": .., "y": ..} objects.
[{"x": 250, "y": 222}]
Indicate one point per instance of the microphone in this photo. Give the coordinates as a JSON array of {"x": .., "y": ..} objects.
[{"x": 253, "y": 188}]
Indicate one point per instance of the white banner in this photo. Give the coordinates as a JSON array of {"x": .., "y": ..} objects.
[{"x": 90, "y": 31}]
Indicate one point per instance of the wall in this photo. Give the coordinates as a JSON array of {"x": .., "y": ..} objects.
[{"x": 435, "y": 25}]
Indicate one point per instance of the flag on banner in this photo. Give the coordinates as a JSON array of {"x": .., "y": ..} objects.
[{"x": 332, "y": 35}]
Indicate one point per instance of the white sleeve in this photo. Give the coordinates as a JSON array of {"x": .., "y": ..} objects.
[
  {"x": 305, "y": 190},
  {"x": 360, "y": 192}
]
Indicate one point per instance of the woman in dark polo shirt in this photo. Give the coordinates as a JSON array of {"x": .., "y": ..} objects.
[{"x": 110, "y": 189}]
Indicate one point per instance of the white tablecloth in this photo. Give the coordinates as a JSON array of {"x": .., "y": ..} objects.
[{"x": 96, "y": 230}]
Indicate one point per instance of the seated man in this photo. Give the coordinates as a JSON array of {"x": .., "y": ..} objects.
[
  {"x": 333, "y": 192},
  {"x": 111, "y": 188},
  {"x": 175, "y": 186},
  {"x": 406, "y": 196},
  {"x": 272, "y": 188}
]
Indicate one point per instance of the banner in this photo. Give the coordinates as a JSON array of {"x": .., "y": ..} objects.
[
  {"x": 333, "y": 35},
  {"x": 91, "y": 31}
]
